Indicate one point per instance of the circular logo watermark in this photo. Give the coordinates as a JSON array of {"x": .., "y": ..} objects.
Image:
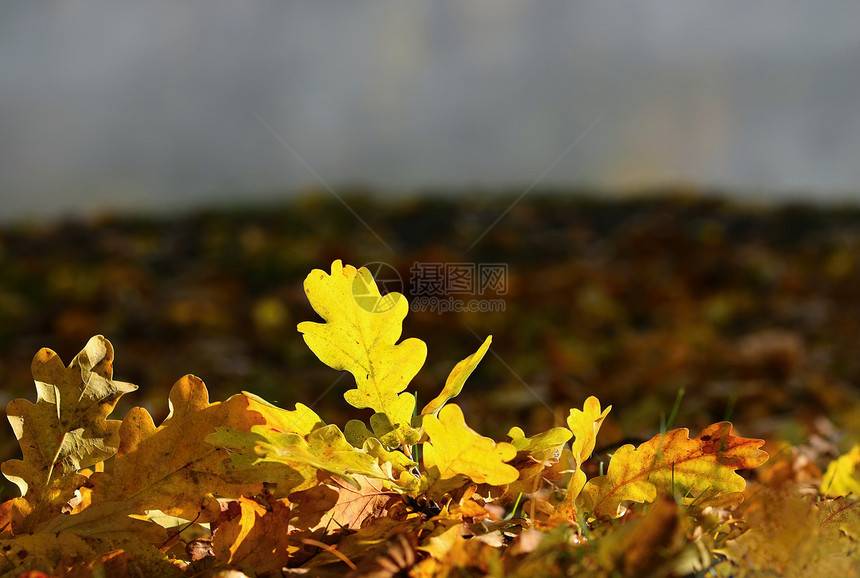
[{"x": 388, "y": 283}]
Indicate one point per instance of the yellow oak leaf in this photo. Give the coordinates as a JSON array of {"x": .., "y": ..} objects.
[
  {"x": 534, "y": 456},
  {"x": 242, "y": 446},
  {"x": 674, "y": 463},
  {"x": 303, "y": 420},
  {"x": 584, "y": 424},
  {"x": 542, "y": 446},
  {"x": 324, "y": 449},
  {"x": 293, "y": 461},
  {"x": 172, "y": 468},
  {"x": 843, "y": 475},
  {"x": 457, "y": 378},
  {"x": 360, "y": 335},
  {"x": 243, "y": 453},
  {"x": 456, "y": 450},
  {"x": 357, "y": 434},
  {"x": 64, "y": 431}
]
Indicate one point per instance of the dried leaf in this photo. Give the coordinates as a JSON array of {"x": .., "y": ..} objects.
[
  {"x": 673, "y": 463},
  {"x": 42, "y": 552},
  {"x": 172, "y": 468},
  {"x": 647, "y": 546},
  {"x": 335, "y": 504},
  {"x": 256, "y": 538}
]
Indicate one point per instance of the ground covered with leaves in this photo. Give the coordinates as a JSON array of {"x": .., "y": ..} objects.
[{"x": 676, "y": 312}]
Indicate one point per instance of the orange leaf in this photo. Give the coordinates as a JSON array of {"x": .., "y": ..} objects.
[{"x": 673, "y": 463}]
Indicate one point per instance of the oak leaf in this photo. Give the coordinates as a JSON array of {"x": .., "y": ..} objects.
[
  {"x": 357, "y": 434},
  {"x": 534, "y": 456},
  {"x": 64, "y": 431},
  {"x": 43, "y": 551},
  {"x": 457, "y": 379},
  {"x": 843, "y": 475},
  {"x": 324, "y": 449},
  {"x": 335, "y": 504},
  {"x": 256, "y": 537},
  {"x": 788, "y": 535},
  {"x": 302, "y": 420},
  {"x": 542, "y": 446},
  {"x": 283, "y": 478},
  {"x": 360, "y": 335},
  {"x": 674, "y": 463},
  {"x": 456, "y": 451},
  {"x": 649, "y": 545},
  {"x": 172, "y": 468},
  {"x": 584, "y": 425},
  {"x": 243, "y": 452}
]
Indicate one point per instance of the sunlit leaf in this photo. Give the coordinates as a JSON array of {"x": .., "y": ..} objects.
[
  {"x": 456, "y": 450},
  {"x": 584, "y": 425},
  {"x": 360, "y": 335},
  {"x": 672, "y": 463},
  {"x": 843, "y": 475},
  {"x": 457, "y": 378}
]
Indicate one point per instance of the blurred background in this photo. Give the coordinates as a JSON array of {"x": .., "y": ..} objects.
[
  {"x": 153, "y": 106},
  {"x": 672, "y": 186}
]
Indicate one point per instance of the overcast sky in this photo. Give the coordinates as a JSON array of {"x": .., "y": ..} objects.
[{"x": 112, "y": 104}]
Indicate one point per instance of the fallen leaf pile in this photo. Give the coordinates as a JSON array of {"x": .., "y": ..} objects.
[{"x": 243, "y": 487}]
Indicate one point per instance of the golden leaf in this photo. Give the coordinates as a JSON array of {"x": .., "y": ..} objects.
[
  {"x": 360, "y": 335},
  {"x": 584, "y": 424},
  {"x": 456, "y": 450},
  {"x": 843, "y": 475},
  {"x": 457, "y": 378}
]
